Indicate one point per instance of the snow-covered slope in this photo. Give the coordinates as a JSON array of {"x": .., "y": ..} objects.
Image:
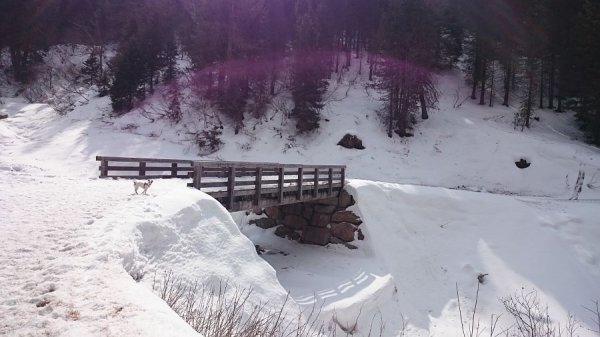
[
  {"x": 70, "y": 241},
  {"x": 471, "y": 147},
  {"x": 72, "y": 245},
  {"x": 423, "y": 241}
]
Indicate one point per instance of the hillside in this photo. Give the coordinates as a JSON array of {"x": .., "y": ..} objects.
[{"x": 73, "y": 241}]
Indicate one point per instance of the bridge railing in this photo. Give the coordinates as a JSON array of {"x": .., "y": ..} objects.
[
  {"x": 237, "y": 185},
  {"x": 144, "y": 168}
]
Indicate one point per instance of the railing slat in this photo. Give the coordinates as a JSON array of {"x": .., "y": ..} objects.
[
  {"x": 104, "y": 169},
  {"x": 258, "y": 186},
  {"x": 300, "y": 182},
  {"x": 197, "y": 176},
  {"x": 281, "y": 184},
  {"x": 231, "y": 187},
  {"x": 330, "y": 190},
  {"x": 316, "y": 183}
]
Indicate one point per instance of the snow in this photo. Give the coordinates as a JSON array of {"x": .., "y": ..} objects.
[
  {"x": 438, "y": 209},
  {"x": 71, "y": 243},
  {"x": 422, "y": 241}
]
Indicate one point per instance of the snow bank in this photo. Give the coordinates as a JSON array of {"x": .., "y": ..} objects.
[
  {"x": 430, "y": 239},
  {"x": 189, "y": 233},
  {"x": 422, "y": 241}
]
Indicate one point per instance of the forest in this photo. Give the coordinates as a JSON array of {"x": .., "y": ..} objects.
[{"x": 242, "y": 53}]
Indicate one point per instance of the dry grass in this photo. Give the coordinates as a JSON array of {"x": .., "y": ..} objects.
[{"x": 227, "y": 311}]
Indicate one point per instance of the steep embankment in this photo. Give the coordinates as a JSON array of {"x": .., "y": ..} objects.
[{"x": 423, "y": 241}]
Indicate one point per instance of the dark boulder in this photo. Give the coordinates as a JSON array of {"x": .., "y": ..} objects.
[
  {"x": 351, "y": 142},
  {"x": 316, "y": 235},
  {"x": 264, "y": 223},
  {"x": 522, "y": 163},
  {"x": 343, "y": 231}
]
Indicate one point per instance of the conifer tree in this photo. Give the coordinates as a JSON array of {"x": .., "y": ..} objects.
[
  {"x": 588, "y": 51},
  {"x": 406, "y": 41},
  {"x": 310, "y": 68},
  {"x": 91, "y": 69}
]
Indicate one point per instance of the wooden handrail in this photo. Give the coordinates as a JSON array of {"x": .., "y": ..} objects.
[{"x": 260, "y": 184}]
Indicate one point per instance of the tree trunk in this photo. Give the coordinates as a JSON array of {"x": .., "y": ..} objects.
[
  {"x": 483, "y": 77},
  {"x": 507, "y": 75},
  {"x": 551, "y": 84},
  {"x": 371, "y": 66},
  {"x": 391, "y": 112},
  {"x": 476, "y": 67},
  {"x": 561, "y": 77},
  {"x": 541, "y": 106},
  {"x": 348, "y": 49},
  {"x": 492, "y": 84},
  {"x": 272, "y": 83},
  {"x": 529, "y": 106},
  {"x": 357, "y": 45},
  {"x": 424, "y": 114},
  {"x": 230, "y": 31}
]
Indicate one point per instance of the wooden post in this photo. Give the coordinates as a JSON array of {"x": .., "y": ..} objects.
[
  {"x": 173, "y": 170},
  {"x": 343, "y": 178},
  {"x": 231, "y": 187},
  {"x": 281, "y": 175},
  {"x": 258, "y": 186},
  {"x": 330, "y": 191},
  {"x": 197, "y": 175},
  {"x": 142, "y": 169},
  {"x": 316, "y": 183},
  {"x": 300, "y": 182},
  {"x": 104, "y": 168}
]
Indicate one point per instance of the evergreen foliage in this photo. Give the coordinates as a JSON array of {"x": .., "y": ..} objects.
[
  {"x": 91, "y": 69},
  {"x": 530, "y": 54}
]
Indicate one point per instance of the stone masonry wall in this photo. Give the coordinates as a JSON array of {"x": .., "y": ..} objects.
[{"x": 320, "y": 222}]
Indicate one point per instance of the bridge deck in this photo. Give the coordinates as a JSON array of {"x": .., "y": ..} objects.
[{"x": 236, "y": 185}]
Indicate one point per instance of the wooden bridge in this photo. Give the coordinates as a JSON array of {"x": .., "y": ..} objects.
[{"x": 236, "y": 185}]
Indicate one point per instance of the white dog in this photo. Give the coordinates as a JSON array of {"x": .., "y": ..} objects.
[{"x": 144, "y": 185}]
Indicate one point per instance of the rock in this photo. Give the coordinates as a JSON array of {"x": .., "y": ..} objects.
[
  {"x": 308, "y": 211},
  {"x": 264, "y": 223},
  {"x": 360, "y": 235},
  {"x": 343, "y": 231},
  {"x": 320, "y": 220},
  {"x": 346, "y": 216},
  {"x": 272, "y": 212},
  {"x": 294, "y": 221},
  {"x": 336, "y": 241},
  {"x": 3, "y": 116},
  {"x": 284, "y": 232},
  {"x": 315, "y": 235},
  {"x": 522, "y": 164},
  {"x": 295, "y": 209},
  {"x": 325, "y": 209},
  {"x": 327, "y": 202},
  {"x": 351, "y": 142},
  {"x": 350, "y": 246},
  {"x": 345, "y": 199}
]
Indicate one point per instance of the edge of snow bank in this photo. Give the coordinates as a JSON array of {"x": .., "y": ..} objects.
[{"x": 188, "y": 233}]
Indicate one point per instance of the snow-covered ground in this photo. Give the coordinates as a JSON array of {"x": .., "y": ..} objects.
[
  {"x": 70, "y": 242},
  {"x": 423, "y": 241}
]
